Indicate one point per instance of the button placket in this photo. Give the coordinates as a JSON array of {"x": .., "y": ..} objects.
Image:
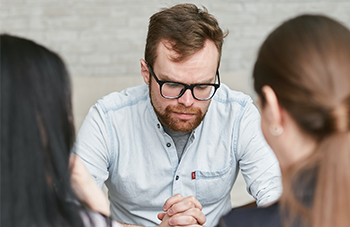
[
  {"x": 170, "y": 146},
  {"x": 177, "y": 184}
]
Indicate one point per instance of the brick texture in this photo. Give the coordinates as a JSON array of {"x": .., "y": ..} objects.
[
  {"x": 99, "y": 38},
  {"x": 102, "y": 41}
]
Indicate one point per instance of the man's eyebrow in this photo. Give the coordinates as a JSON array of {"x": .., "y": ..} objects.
[
  {"x": 167, "y": 78},
  {"x": 208, "y": 81}
]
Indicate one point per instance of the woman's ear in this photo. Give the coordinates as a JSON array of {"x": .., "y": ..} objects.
[
  {"x": 144, "y": 71},
  {"x": 272, "y": 111}
]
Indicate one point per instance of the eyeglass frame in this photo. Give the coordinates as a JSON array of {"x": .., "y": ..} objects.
[{"x": 162, "y": 82}]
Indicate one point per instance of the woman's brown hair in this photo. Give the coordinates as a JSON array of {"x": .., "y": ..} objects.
[
  {"x": 186, "y": 27},
  {"x": 306, "y": 61}
]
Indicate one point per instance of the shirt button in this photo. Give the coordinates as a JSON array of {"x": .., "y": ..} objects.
[
  {"x": 168, "y": 144},
  {"x": 177, "y": 177},
  {"x": 158, "y": 125}
]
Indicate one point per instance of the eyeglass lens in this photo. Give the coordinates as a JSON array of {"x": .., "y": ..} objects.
[{"x": 174, "y": 90}]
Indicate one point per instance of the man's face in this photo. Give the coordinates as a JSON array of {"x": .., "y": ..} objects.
[{"x": 184, "y": 113}]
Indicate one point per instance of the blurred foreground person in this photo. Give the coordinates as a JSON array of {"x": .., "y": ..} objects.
[
  {"x": 302, "y": 78},
  {"x": 37, "y": 134}
]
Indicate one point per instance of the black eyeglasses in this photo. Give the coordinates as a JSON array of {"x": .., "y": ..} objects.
[{"x": 174, "y": 90}]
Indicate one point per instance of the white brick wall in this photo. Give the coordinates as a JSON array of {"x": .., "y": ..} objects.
[
  {"x": 106, "y": 37},
  {"x": 103, "y": 40}
]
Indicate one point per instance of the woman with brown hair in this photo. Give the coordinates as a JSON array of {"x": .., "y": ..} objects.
[{"x": 302, "y": 78}]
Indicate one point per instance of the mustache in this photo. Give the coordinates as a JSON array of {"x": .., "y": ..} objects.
[{"x": 183, "y": 109}]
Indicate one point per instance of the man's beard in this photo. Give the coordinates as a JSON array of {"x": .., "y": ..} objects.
[{"x": 176, "y": 124}]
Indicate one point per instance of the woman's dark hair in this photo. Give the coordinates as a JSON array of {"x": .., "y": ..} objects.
[
  {"x": 37, "y": 134},
  {"x": 306, "y": 61}
]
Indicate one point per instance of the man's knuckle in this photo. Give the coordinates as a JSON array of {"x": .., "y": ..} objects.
[
  {"x": 189, "y": 204},
  {"x": 192, "y": 198},
  {"x": 178, "y": 195},
  {"x": 175, "y": 208}
]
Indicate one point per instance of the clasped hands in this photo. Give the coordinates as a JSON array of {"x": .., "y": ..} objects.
[
  {"x": 181, "y": 211},
  {"x": 178, "y": 211}
]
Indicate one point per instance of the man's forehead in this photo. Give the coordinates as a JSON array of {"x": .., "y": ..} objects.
[{"x": 166, "y": 47}]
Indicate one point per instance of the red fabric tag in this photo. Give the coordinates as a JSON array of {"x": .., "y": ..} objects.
[{"x": 193, "y": 175}]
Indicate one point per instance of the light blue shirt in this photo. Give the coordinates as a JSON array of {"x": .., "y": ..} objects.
[{"x": 123, "y": 144}]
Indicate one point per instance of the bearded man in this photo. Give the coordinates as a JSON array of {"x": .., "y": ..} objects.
[{"x": 169, "y": 150}]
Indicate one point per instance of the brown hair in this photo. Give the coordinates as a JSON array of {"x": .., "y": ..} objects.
[
  {"x": 306, "y": 61},
  {"x": 186, "y": 27}
]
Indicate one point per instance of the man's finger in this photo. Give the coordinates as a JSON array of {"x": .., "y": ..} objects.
[
  {"x": 183, "y": 205},
  {"x": 182, "y": 220},
  {"x": 171, "y": 201},
  {"x": 195, "y": 201},
  {"x": 161, "y": 216},
  {"x": 191, "y": 216}
]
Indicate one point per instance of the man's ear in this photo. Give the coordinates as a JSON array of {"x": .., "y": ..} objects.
[
  {"x": 272, "y": 109},
  {"x": 144, "y": 71}
]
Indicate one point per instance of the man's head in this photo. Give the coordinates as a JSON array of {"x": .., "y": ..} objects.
[
  {"x": 183, "y": 45},
  {"x": 186, "y": 27}
]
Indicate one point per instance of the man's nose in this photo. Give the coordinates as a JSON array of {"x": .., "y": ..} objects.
[{"x": 186, "y": 99}]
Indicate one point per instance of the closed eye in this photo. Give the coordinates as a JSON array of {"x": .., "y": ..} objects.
[
  {"x": 201, "y": 87},
  {"x": 174, "y": 85}
]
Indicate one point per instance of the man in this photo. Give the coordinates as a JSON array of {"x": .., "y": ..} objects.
[{"x": 182, "y": 136}]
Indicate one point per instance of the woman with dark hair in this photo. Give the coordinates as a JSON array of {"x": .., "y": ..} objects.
[
  {"x": 37, "y": 134},
  {"x": 302, "y": 78}
]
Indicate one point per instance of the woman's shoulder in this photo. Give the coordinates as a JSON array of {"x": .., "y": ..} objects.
[{"x": 259, "y": 217}]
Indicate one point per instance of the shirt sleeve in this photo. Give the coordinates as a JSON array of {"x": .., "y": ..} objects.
[
  {"x": 258, "y": 163},
  {"x": 93, "y": 144}
]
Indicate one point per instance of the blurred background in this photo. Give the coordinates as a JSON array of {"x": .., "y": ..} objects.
[{"x": 101, "y": 41}]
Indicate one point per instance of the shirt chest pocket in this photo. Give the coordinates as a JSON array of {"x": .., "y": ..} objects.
[{"x": 212, "y": 186}]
